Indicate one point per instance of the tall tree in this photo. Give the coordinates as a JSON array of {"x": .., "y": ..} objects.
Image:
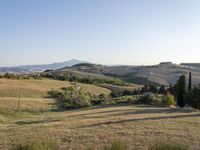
[
  {"x": 181, "y": 91},
  {"x": 162, "y": 89},
  {"x": 190, "y": 82}
]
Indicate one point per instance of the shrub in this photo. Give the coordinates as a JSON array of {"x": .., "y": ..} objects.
[
  {"x": 167, "y": 146},
  {"x": 131, "y": 99},
  {"x": 169, "y": 100},
  {"x": 149, "y": 88},
  {"x": 103, "y": 97},
  {"x": 118, "y": 93},
  {"x": 54, "y": 93},
  {"x": 72, "y": 96},
  {"x": 108, "y": 102},
  {"x": 117, "y": 145},
  {"x": 151, "y": 99},
  {"x": 37, "y": 145}
]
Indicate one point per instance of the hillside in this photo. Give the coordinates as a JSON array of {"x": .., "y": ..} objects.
[
  {"x": 192, "y": 65},
  {"x": 39, "y": 88},
  {"x": 163, "y": 73}
]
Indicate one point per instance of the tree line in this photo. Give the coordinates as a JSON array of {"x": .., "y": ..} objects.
[{"x": 186, "y": 94}]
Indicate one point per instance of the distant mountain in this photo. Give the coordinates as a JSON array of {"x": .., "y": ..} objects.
[
  {"x": 39, "y": 68},
  {"x": 13, "y": 70}
]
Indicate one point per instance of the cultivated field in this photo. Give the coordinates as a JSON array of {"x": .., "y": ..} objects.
[{"x": 77, "y": 129}]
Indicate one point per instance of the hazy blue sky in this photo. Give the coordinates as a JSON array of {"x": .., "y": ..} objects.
[{"x": 103, "y": 31}]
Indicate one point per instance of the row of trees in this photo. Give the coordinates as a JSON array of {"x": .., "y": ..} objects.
[
  {"x": 186, "y": 94},
  {"x": 19, "y": 76},
  {"x": 87, "y": 79},
  {"x": 183, "y": 93}
]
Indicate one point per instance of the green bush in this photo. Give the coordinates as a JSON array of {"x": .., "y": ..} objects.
[
  {"x": 37, "y": 145},
  {"x": 117, "y": 145},
  {"x": 108, "y": 102},
  {"x": 72, "y": 96},
  {"x": 150, "y": 99},
  {"x": 169, "y": 100},
  {"x": 133, "y": 99},
  {"x": 167, "y": 146}
]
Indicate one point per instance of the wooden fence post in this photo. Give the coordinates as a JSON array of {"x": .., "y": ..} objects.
[{"x": 18, "y": 99}]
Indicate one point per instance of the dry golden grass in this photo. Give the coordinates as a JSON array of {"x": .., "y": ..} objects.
[
  {"x": 39, "y": 88},
  {"x": 34, "y": 104},
  {"x": 75, "y": 130}
]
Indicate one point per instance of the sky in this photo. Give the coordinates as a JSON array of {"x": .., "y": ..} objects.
[{"x": 132, "y": 32}]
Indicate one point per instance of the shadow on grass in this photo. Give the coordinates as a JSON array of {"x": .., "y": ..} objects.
[
  {"x": 36, "y": 122},
  {"x": 140, "y": 119},
  {"x": 130, "y": 111}
]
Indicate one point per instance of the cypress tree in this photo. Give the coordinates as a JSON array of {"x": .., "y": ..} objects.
[
  {"x": 181, "y": 90},
  {"x": 190, "y": 82},
  {"x": 162, "y": 89}
]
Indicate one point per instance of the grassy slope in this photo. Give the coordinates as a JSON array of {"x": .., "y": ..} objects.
[
  {"x": 116, "y": 87},
  {"x": 39, "y": 88},
  {"x": 33, "y": 104},
  {"x": 137, "y": 125}
]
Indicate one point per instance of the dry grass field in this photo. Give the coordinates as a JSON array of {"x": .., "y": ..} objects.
[
  {"x": 39, "y": 88},
  {"x": 137, "y": 125},
  {"x": 77, "y": 129}
]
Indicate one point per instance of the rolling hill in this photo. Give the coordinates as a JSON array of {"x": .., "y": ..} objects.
[
  {"x": 192, "y": 65},
  {"x": 163, "y": 73}
]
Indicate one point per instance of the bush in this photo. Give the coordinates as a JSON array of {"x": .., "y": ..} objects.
[
  {"x": 133, "y": 99},
  {"x": 167, "y": 146},
  {"x": 169, "y": 100},
  {"x": 117, "y": 145},
  {"x": 108, "y": 102},
  {"x": 151, "y": 99},
  {"x": 118, "y": 93},
  {"x": 72, "y": 96},
  {"x": 37, "y": 145}
]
